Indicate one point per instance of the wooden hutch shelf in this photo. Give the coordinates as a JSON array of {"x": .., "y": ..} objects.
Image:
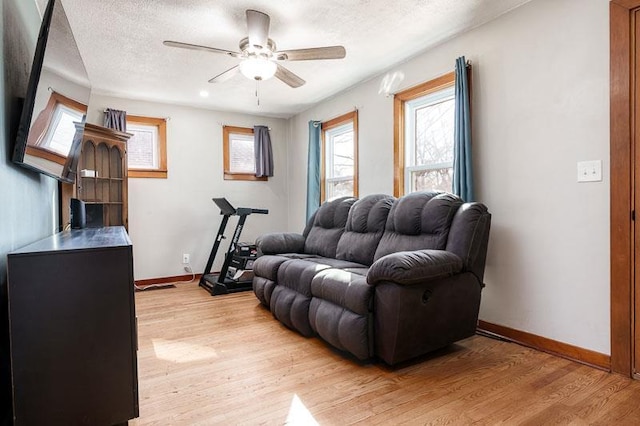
[{"x": 102, "y": 175}]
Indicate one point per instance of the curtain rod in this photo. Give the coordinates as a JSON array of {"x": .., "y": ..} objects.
[{"x": 225, "y": 125}]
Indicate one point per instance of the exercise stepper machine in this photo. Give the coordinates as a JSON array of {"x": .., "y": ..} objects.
[{"x": 221, "y": 283}]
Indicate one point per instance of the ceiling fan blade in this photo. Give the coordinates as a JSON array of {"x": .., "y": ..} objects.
[
  {"x": 224, "y": 76},
  {"x": 329, "y": 52},
  {"x": 288, "y": 77},
  {"x": 257, "y": 28},
  {"x": 198, "y": 47}
]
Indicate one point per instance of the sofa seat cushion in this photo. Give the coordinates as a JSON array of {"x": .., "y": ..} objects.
[
  {"x": 291, "y": 296},
  {"x": 265, "y": 271},
  {"x": 346, "y": 288},
  {"x": 334, "y": 263},
  {"x": 341, "y": 310},
  {"x": 262, "y": 288},
  {"x": 267, "y": 266},
  {"x": 265, "y": 274}
]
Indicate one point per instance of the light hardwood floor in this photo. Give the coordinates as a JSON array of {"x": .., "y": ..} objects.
[{"x": 206, "y": 360}]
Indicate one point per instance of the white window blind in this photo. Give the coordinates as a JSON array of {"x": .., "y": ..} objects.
[
  {"x": 142, "y": 147},
  {"x": 241, "y": 154}
]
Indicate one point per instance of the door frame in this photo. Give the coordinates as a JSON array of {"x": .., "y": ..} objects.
[{"x": 622, "y": 136}]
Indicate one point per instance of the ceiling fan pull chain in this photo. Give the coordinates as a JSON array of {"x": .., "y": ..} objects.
[{"x": 257, "y": 96}]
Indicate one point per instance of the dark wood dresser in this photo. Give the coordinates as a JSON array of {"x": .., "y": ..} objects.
[{"x": 73, "y": 329}]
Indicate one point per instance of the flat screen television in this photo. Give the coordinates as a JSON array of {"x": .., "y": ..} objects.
[{"x": 55, "y": 107}]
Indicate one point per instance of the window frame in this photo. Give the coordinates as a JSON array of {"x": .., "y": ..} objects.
[
  {"x": 35, "y": 142},
  {"x": 350, "y": 117},
  {"x": 227, "y": 131},
  {"x": 162, "y": 171},
  {"x": 399, "y": 107},
  {"x": 443, "y": 94}
]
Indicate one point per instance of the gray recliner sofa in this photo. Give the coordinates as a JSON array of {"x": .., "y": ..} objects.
[{"x": 379, "y": 277}]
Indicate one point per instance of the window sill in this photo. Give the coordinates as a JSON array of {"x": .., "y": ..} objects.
[
  {"x": 47, "y": 154},
  {"x": 244, "y": 176},
  {"x": 154, "y": 174}
]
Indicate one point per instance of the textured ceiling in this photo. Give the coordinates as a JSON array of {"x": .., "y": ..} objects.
[{"x": 121, "y": 44}]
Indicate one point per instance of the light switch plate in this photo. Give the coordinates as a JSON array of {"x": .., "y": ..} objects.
[{"x": 590, "y": 171}]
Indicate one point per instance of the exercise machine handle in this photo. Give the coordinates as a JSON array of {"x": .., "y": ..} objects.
[{"x": 245, "y": 211}]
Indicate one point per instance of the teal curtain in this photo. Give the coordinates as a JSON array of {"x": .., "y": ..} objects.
[
  {"x": 462, "y": 160},
  {"x": 313, "y": 169}
]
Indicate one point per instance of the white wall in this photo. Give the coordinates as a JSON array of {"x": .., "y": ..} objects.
[
  {"x": 540, "y": 104},
  {"x": 168, "y": 217}
]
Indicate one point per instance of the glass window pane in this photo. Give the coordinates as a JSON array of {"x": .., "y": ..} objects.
[
  {"x": 439, "y": 179},
  {"x": 434, "y": 126},
  {"x": 343, "y": 155},
  {"x": 241, "y": 154},
  {"x": 336, "y": 189},
  {"x": 340, "y": 166}
]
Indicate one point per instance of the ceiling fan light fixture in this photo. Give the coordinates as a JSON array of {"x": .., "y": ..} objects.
[
  {"x": 258, "y": 68},
  {"x": 258, "y": 54}
]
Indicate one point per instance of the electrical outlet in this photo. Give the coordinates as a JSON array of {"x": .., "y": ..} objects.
[{"x": 185, "y": 258}]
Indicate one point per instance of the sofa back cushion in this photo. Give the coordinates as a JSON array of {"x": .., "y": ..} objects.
[
  {"x": 326, "y": 227},
  {"x": 365, "y": 226},
  {"x": 420, "y": 220}
]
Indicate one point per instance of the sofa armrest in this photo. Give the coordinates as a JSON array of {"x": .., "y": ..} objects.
[
  {"x": 413, "y": 267},
  {"x": 282, "y": 242}
]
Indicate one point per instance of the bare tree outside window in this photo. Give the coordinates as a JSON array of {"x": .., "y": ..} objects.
[
  {"x": 429, "y": 139},
  {"x": 340, "y": 163},
  {"x": 434, "y": 133},
  {"x": 434, "y": 146},
  {"x": 439, "y": 179},
  {"x": 340, "y": 177}
]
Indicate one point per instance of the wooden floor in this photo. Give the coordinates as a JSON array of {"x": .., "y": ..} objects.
[{"x": 206, "y": 360}]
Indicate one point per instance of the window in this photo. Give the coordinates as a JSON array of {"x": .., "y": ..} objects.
[
  {"x": 147, "y": 148},
  {"x": 339, "y": 168},
  {"x": 239, "y": 154},
  {"x": 423, "y": 140}
]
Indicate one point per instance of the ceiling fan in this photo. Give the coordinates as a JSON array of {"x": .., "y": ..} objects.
[{"x": 259, "y": 56}]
